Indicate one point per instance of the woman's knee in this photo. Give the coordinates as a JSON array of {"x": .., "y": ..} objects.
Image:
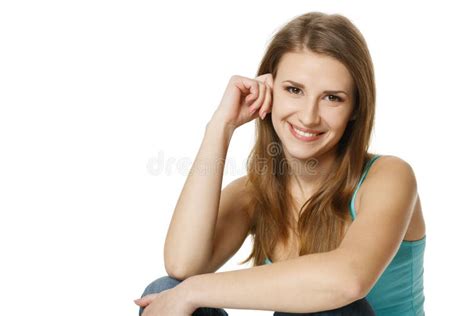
[
  {"x": 360, "y": 307},
  {"x": 159, "y": 285},
  {"x": 166, "y": 283}
]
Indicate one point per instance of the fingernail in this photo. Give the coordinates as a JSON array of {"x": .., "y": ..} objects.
[
  {"x": 262, "y": 116},
  {"x": 253, "y": 111}
]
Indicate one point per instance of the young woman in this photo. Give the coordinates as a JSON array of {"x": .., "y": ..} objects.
[{"x": 336, "y": 230}]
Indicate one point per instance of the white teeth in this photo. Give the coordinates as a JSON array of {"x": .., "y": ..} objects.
[{"x": 303, "y": 133}]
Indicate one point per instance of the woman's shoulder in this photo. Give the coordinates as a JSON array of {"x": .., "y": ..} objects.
[
  {"x": 389, "y": 163},
  {"x": 388, "y": 169},
  {"x": 239, "y": 187},
  {"x": 241, "y": 192},
  {"x": 394, "y": 172},
  {"x": 241, "y": 183}
]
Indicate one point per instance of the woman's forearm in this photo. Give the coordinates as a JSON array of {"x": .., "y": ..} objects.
[
  {"x": 189, "y": 241},
  {"x": 310, "y": 283}
]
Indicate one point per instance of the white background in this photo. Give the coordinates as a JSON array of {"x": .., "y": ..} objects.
[{"x": 104, "y": 106}]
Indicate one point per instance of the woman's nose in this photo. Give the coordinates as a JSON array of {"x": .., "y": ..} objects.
[{"x": 310, "y": 114}]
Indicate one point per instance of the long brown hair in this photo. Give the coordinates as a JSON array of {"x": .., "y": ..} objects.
[{"x": 321, "y": 222}]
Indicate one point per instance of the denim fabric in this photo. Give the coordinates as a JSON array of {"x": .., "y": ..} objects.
[
  {"x": 167, "y": 282},
  {"x": 357, "y": 308}
]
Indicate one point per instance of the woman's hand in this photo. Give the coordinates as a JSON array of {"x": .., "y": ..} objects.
[
  {"x": 244, "y": 99},
  {"x": 173, "y": 301}
]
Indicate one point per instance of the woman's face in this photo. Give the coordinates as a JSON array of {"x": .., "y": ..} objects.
[{"x": 310, "y": 102}]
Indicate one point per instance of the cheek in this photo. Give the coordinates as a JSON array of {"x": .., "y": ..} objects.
[
  {"x": 283, "y": 105},
  {"x": 280, "y": 98},
  {"x": 336, "y": 119},
  {"x": 279, "y": 107}
]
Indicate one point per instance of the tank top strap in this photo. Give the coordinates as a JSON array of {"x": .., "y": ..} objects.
[{"x": 362, "y": 178}]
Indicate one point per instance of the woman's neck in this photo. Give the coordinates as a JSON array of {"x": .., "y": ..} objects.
[{"x": 306, "y": 178}]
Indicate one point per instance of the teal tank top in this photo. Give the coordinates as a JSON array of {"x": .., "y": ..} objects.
[{"x": 399, "y": 290}]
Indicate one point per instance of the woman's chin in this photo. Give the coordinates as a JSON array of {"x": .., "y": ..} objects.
[{"x": 302, "y": 154}]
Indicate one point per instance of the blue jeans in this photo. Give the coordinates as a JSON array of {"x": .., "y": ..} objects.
[{"x": 357, "y": 308}]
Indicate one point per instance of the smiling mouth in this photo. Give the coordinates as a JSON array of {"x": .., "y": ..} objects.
[
  {"x": 304, "y": 136},
  {"x": 306, "y": 132}
]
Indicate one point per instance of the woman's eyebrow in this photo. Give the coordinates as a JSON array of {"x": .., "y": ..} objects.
[{"x": 300, "y": 85}]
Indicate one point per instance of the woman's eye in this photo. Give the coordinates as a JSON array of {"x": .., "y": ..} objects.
[
  {"x": 290, "y": 89},
  {"x": 332, "y": 97},
  {"x": 338, "y": 99}
]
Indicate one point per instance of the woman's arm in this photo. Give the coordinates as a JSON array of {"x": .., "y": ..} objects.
[
  {"x": 310, "y": 283},
  {"x": 190, "y": 238},
  {"x": 189, "y": 241},
  {"x": 328, "y": 280}
]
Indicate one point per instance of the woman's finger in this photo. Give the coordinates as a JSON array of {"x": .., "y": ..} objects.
[
  {"x": 247, "y": 86},
  {"x": 266, "y": 107},
  {"x": 145, "y": 300},
  {"x": 269, "y": 80},
  {"x": 261, "y": 97}
]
